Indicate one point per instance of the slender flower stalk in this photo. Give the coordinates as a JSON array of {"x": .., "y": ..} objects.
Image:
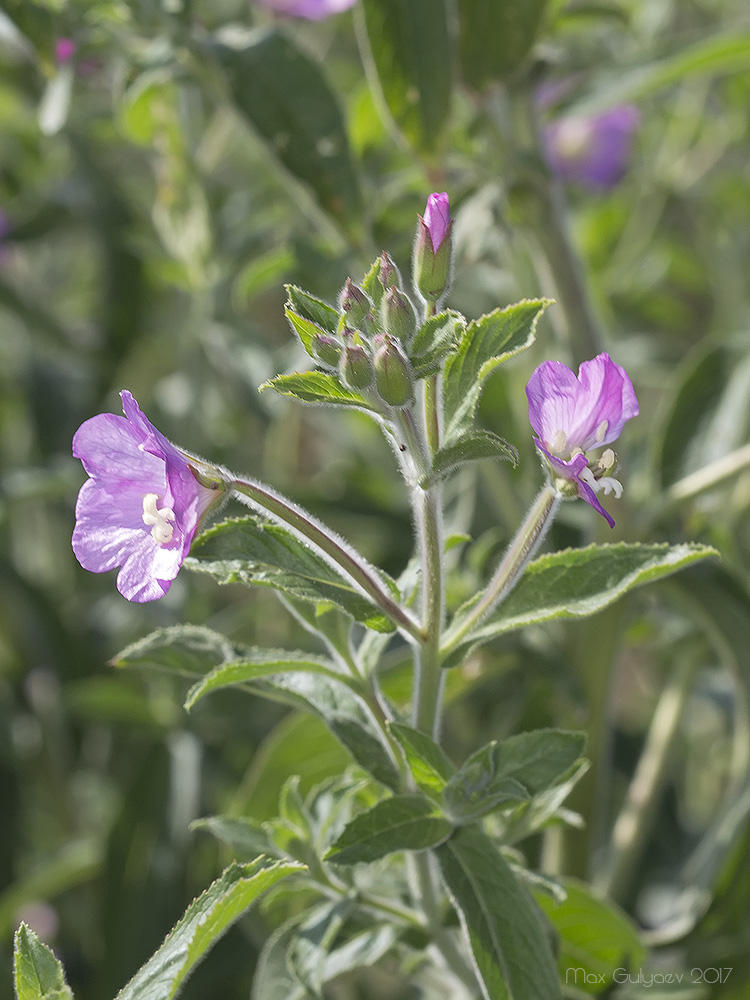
[{"x": 267, "y": 501}]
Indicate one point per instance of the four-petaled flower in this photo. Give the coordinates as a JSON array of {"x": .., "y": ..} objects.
[
  {"x": 143, "y": 503},
  {"x": 573, "y": 415}
]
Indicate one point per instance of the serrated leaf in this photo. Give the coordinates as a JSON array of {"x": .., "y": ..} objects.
[
  {"x": 305, "y": 330},
  {"x": 38, "y": 973},
  {"x": 373, "y": 286},
  {"x": 496, "y": 37},
  {"x": 342, "y": 711},
  {"x": 283, "y": 94},
  {"x": 321, "y": 388},
  {"x": 596, "y": 937},
  {"x": 203, "y": 923},
  {"x": 486, "y": 343},
  {"x": 473, "y": 446},
  {"x": 513, "y": 770},
  {"x": 427, "y": 761},
  {"x": 410, "y": 49},
  {"x": 185, "y": 649},
  {"x": 400, "y": 823},
  {"x": 313, "y": 309},
  {"x": 244, "y": 836},
  {"x": 507, "y": 938},
  {"x": 576, "y": 583},
  {"x": 258, "y": 664},
  {"x": 251, "y": 551},
  {"x": 436, "y": 337}
]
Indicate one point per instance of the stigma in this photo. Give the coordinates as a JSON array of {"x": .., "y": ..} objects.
[{"x": 158, "y": 520}]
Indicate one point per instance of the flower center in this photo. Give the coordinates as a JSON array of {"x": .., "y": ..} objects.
[{"x": 158, "y": 520}]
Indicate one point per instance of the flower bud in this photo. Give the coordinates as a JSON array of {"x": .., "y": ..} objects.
[
  {"x": 355, "y": 304},
  {"x": 393, "y": 376},
  {"x": 397, "y": 315},
  {"x": 326, "y": 349},
  {"x": 432, "y": 249},
  {"x": 389, "y": 273},
  {"x": 355, "y": 365}
]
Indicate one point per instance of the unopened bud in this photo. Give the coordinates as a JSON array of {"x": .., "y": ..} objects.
[
  {"x": 389, "y": 273},
  {"x": 326, "y": 349},
  {"x": 397, "y": 315},
  {"x": 393, "y": 376},
  {"x": 432, "y": 249},
  {"x": 355, "y": 304},
  {"x": 355, "y": 364}
]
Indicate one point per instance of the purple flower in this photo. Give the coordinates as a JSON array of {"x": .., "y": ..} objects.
[
  {"x": 595, "y": 150},
  {"x": 65, "y": 49},
  {"x": 143, "y": 503},
  {"x": 572, "y": 415},
  {"x": 313, "y": 10},
  {"x": 437, "y": 218}
]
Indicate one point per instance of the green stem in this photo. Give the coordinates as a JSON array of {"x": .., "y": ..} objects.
[
  {"x": 537, "y": 198},
  {"x": 345, "y": 558},
  {"x": 521, "y": 549}
]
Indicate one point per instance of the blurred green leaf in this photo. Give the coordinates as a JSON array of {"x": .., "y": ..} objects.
[
  {"x": 427, "y": 761},
  {"x": 246, "y": 838},
  {"x": 410, "y": 50},
  {"x": 513, "y": 770},
  {"x": 309, "y": 948},
  {"x": 436, "y": 337},
  {"x": 400, "y": 823},
  {"x": 495, "y": 37},
  {"x": 285, "y": 97},
  {"x": 185, "y": 649},
  {"x": 486, "y": 343},
  {"x": 596, "y": 938},
  {"x": 258, "y": 664},
  {"x": 38, "y": 973},
  {"x": 251, "y": 551},
  {"x": 576, "y": 583},
  {"x": 205, "y": 920},
  {"x": 508, "y": 940},
  {"x": 317, "y": 387},
  {"x": 473, "y": 446}
]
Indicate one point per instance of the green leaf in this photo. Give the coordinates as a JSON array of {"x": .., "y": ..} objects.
[
  {"x": 507, "y": 938},
  {"x": 473, "y": 446},
  {"x": 596, "y": 937},
  {"x": 282, "y": 93},
  {"x": 185, "y": 649},
  {"x": 410, "y": 50},
  {"x": 311, "y": 944},
  {"x": 305, "y": 330},
  {"x": 487, "y": 342},
  {"x": 400, "y": 823},
  {"x": 576, "y": 583},
  {"x": 495, "y": 37},
  {"x": 203, "y": 923},
  {"x": 259, "y": 663},
  {"x": 244, "y": 836},
  {"x": 341, "y": 710},
  {"x": 313, "y": 309},
  {"x": 513, "y": 770},
  {"x": 322, "y": 388},
  {"x": 427, "y": 761},
  {"x": 438, "y": 336},
  {"x": 38, "y": 974},
  {"x": 255, "y": 552}
]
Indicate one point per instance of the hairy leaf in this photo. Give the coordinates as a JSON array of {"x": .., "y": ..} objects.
[
  {"x": 38, "y": 974},
  {"x": 473, "y": 446},
  {"x": 311, "y": 308},
  {"x": 427, "y": 761},
  {"x": 186, "y": 649},
  {"x": 401, "y": 823},
  {"x": 438, "y": 336},
  {"x": 322, "y": 388}
]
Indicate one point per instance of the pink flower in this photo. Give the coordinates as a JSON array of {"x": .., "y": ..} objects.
[
  {"x": 437, "y": 218},
  {"x": 313, "y": 10},
  {"x": 143, "y": 503},
  {"x": 65, "y": 49},
  {"x": 593, "y": 150},
  {"x": 573, "y": 415}
]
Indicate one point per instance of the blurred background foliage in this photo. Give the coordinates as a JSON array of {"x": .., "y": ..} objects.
[{"x": 160, "y": 179}]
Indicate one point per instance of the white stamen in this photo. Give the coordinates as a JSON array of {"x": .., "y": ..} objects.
[
  {"x": 558, "y": 442},
  {"x": 161, "y": 529},
  {"x": 601, "y": 430}
]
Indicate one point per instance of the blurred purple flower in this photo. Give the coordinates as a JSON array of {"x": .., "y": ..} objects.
[
  {"x": 437, "y": 218},
  {"x": 65, "y": 49},
  {"x": 593, "y": 150},
  {"x": 313, "y": 10},
  {"x": 573, "y": 415},
  {"x": 143, "y": 503}
]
